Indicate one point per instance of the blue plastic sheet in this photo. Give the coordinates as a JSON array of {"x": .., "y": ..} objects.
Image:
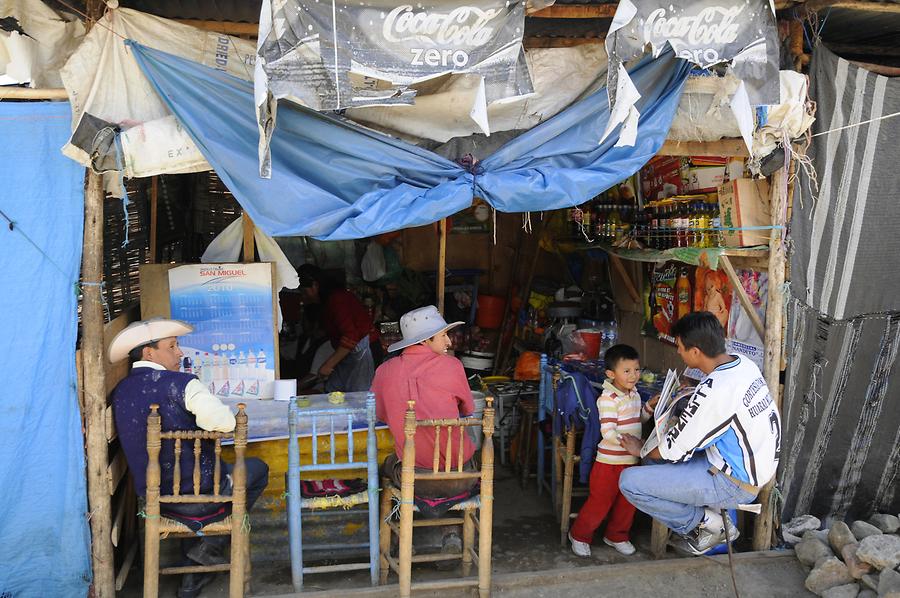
[
  {"x": 44, "y": 538},
  {"x": 332, "y": 179}
]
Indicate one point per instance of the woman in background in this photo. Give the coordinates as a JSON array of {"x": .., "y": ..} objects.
[{"x": 349, "y": 328}]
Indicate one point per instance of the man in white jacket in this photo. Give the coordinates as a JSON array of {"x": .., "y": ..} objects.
[{"x": 724, "y": 447}]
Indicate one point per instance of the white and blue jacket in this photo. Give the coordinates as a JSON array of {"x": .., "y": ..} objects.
[{"x": 732, "y": 417}]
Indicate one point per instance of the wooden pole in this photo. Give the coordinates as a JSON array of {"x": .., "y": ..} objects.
[
  {"x": 782, "y": 193},
  {"x": 154, "y": 196},
  {"x": 95, "y": 391},
  {"x": 442, "y": 265},
  {"x": 742, "y": 295},
  {"x": 626, "y": 278},
  {"x": 249, "y": 242}
]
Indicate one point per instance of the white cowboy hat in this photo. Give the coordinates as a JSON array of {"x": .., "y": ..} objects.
[
  {"x": 419, "y": 325},
  {"x": 141, "y": 333}
]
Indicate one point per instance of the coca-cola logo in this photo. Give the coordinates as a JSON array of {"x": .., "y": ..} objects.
[
  {"x": 712, "y": 26},
  {"x": 463, "y": 26}
]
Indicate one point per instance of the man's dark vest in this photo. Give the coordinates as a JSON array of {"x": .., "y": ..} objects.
[{"x": 132, "y": 398}]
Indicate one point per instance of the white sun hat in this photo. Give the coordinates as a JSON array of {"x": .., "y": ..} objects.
[
  {"x": 420, "y": 325},
  {"x": 141, "y": 333}
]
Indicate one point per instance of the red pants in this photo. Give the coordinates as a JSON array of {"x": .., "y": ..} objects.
[{"x": 604, "y": 499}]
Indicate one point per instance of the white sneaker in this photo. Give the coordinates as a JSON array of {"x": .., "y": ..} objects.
[
  {"x": 626, "y": 547},
  {"x": 580, "y": 548}
]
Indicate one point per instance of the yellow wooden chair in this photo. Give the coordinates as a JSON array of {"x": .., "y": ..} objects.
[
  {"x": 158, "y": 527},
  {"x": 477, "y": 511}
]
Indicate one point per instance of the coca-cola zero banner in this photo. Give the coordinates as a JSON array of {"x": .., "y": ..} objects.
[{"x": 334, "y": 55}]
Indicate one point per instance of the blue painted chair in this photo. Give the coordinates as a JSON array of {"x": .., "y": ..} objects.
[
  {"x": 545, "y": 410},
  {"x": 332, "y": 422}
]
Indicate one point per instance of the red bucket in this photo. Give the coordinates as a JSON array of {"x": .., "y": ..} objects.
[
  {"x": 490, "y": 311},
  {"x": 592, "y": 340}
]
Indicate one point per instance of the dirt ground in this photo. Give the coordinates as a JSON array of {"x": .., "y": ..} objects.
[{"x": 528, "y": 560}]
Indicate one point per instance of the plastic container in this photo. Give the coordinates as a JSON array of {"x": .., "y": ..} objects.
[
  {"x": 490, "y": 311},
  {"x": 475, "y": 433},
  {"x": 593, "y": 339}
]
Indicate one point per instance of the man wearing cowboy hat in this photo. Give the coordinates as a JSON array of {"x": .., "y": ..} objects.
[
  {"x": 184, "y": 404},
  {"x": 423, "y": 373}
]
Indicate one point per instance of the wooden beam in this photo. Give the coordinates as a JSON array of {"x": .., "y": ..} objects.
[
  {"x": 560, "y": 42},
  {"x": 95, "y": 390},
  {"x": 629, "y": 285},
  {"x": 863, "y": 50},
  {"x": 442, "y": 264},
  {"x": 880, "y": 69},
  {"x": 249, "y": 241},
  {"x": 154, "y": 197},
  {"x": 722, "y": 147},
  {"x": 122, "y": 575},
  {"x": 742, "y": 296},
  {"x": 26, "y": 93},
  {"x": 226, "y": 27},
  {"x": 576, "y": 11},
  {"x": 110, "y": 423},
  {"x": 116, "y": 471},
  {"x": 782, "y": 195},
  {"x": 875, "y": 7}
]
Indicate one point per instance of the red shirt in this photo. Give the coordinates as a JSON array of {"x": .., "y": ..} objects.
[
  {"x": 346, "y": 320},
  {"x": 443, "y": 393}
]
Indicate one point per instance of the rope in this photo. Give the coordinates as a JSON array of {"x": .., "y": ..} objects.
[
  {"x": 102, "y": 285},
  {"x": 144, "y": 515},
  {"x": 859, "y": 124},
  {"x": 13, "y": 227},
  {"x": 89, "y": 19},
  {"x": 245, "y": 524},
  {"x": 121, "y": 169}
]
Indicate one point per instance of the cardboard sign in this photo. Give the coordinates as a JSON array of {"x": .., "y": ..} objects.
[{"x": 745, "y": 203}]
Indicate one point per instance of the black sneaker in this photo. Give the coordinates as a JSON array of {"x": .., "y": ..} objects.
[{"x": 192, "y": 583}]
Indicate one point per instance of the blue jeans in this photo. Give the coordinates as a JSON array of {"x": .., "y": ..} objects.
[{"x": 675, "y": 493}]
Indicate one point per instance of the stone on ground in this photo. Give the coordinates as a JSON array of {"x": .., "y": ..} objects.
[
  {"x": 889, "y": 584},
  {"x": 830, "y": 572},
  {"x": 861, "y": 530},
  {"x": 888, "y": 524},
  {"x": 817, "y": 534},
  {"x": 881, "y": 551},
  {"x": 867, "y": 593},
  {"x": 870, "y": 581},
  {"x": 811, "y": 551},
  {"x": 839, "y": 536},
  {"x": 856, "y": 567},
  {"x": 848, "y": 590},
  {"x": 802, "y": 524}
]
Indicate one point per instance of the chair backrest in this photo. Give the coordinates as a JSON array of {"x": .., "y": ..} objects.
[
  {"x": 444, "y": 431},
  {"x": 336, "y": 422},
  {"x": 195, "y": 440}
]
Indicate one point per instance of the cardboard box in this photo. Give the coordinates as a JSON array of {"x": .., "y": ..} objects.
[
  {"x": 661, "y": 177},
  {"x": 701, "y": 179},
  {"x": 745, "y": 203}
]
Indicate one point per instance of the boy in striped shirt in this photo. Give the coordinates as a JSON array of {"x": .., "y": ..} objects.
[{"x": 620, "y": 413}]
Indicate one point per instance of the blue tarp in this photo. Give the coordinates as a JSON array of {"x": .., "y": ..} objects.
[
  {"x": 334, "y": 180},
  {"x": 44, "y": 538}
]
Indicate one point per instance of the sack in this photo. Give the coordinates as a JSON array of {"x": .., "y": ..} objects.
[{"x": 373, "y": 266}]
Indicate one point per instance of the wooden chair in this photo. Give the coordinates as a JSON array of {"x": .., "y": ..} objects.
[
  {"x": 296, "y": 503},
  {"x": 565, "y": 459},
  {"x": 158, "y": 526},
  {"x": 477, "y": 511}
]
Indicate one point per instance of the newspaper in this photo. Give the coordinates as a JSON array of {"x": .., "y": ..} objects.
[{"x": 661, "y": 413}]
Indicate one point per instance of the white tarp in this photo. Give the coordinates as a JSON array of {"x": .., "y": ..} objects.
[
  {"x": 34, "y": 53},
  {"x": 560, "y": 76},
  {"x": 104, "y": 81}
]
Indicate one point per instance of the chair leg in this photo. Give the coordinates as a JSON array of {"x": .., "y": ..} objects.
[
  {"x": 558, "y": 475},
  {"x": 239, "y": 557},
  {"x": 385, "y": 535},
  {"x": 527, "y": 442},
  {"x": 485, "y": 538},
  {"x": 540, "y": 461},
  {"x": 468, "y": 541},
  {"x": 568, "y": 479},
  {"x": 248, "y": 567},
  {"x": 659, "y": 537},
  {"x": 151, "y": 557},
  {"x": 522, "y": 461},
  {"x": 405, "y": 556}
]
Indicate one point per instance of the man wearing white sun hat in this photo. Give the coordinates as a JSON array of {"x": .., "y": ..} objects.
[
  {"x": 184, "y": 404},
  {"x": 437, "y": 382}
]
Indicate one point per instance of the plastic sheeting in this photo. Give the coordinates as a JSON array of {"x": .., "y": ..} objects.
[
  {"x": 335, "y": 180},
  {"x": 43, "y": 506},
  {"x": 35, "y": 52}
]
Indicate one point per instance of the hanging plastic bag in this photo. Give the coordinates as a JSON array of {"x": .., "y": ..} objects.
[{"x": 373, "y": 266}]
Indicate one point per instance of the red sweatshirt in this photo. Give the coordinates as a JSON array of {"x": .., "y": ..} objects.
[
  {"x": 346, "y": 320},
  {"x": 443, "y": 393}
]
